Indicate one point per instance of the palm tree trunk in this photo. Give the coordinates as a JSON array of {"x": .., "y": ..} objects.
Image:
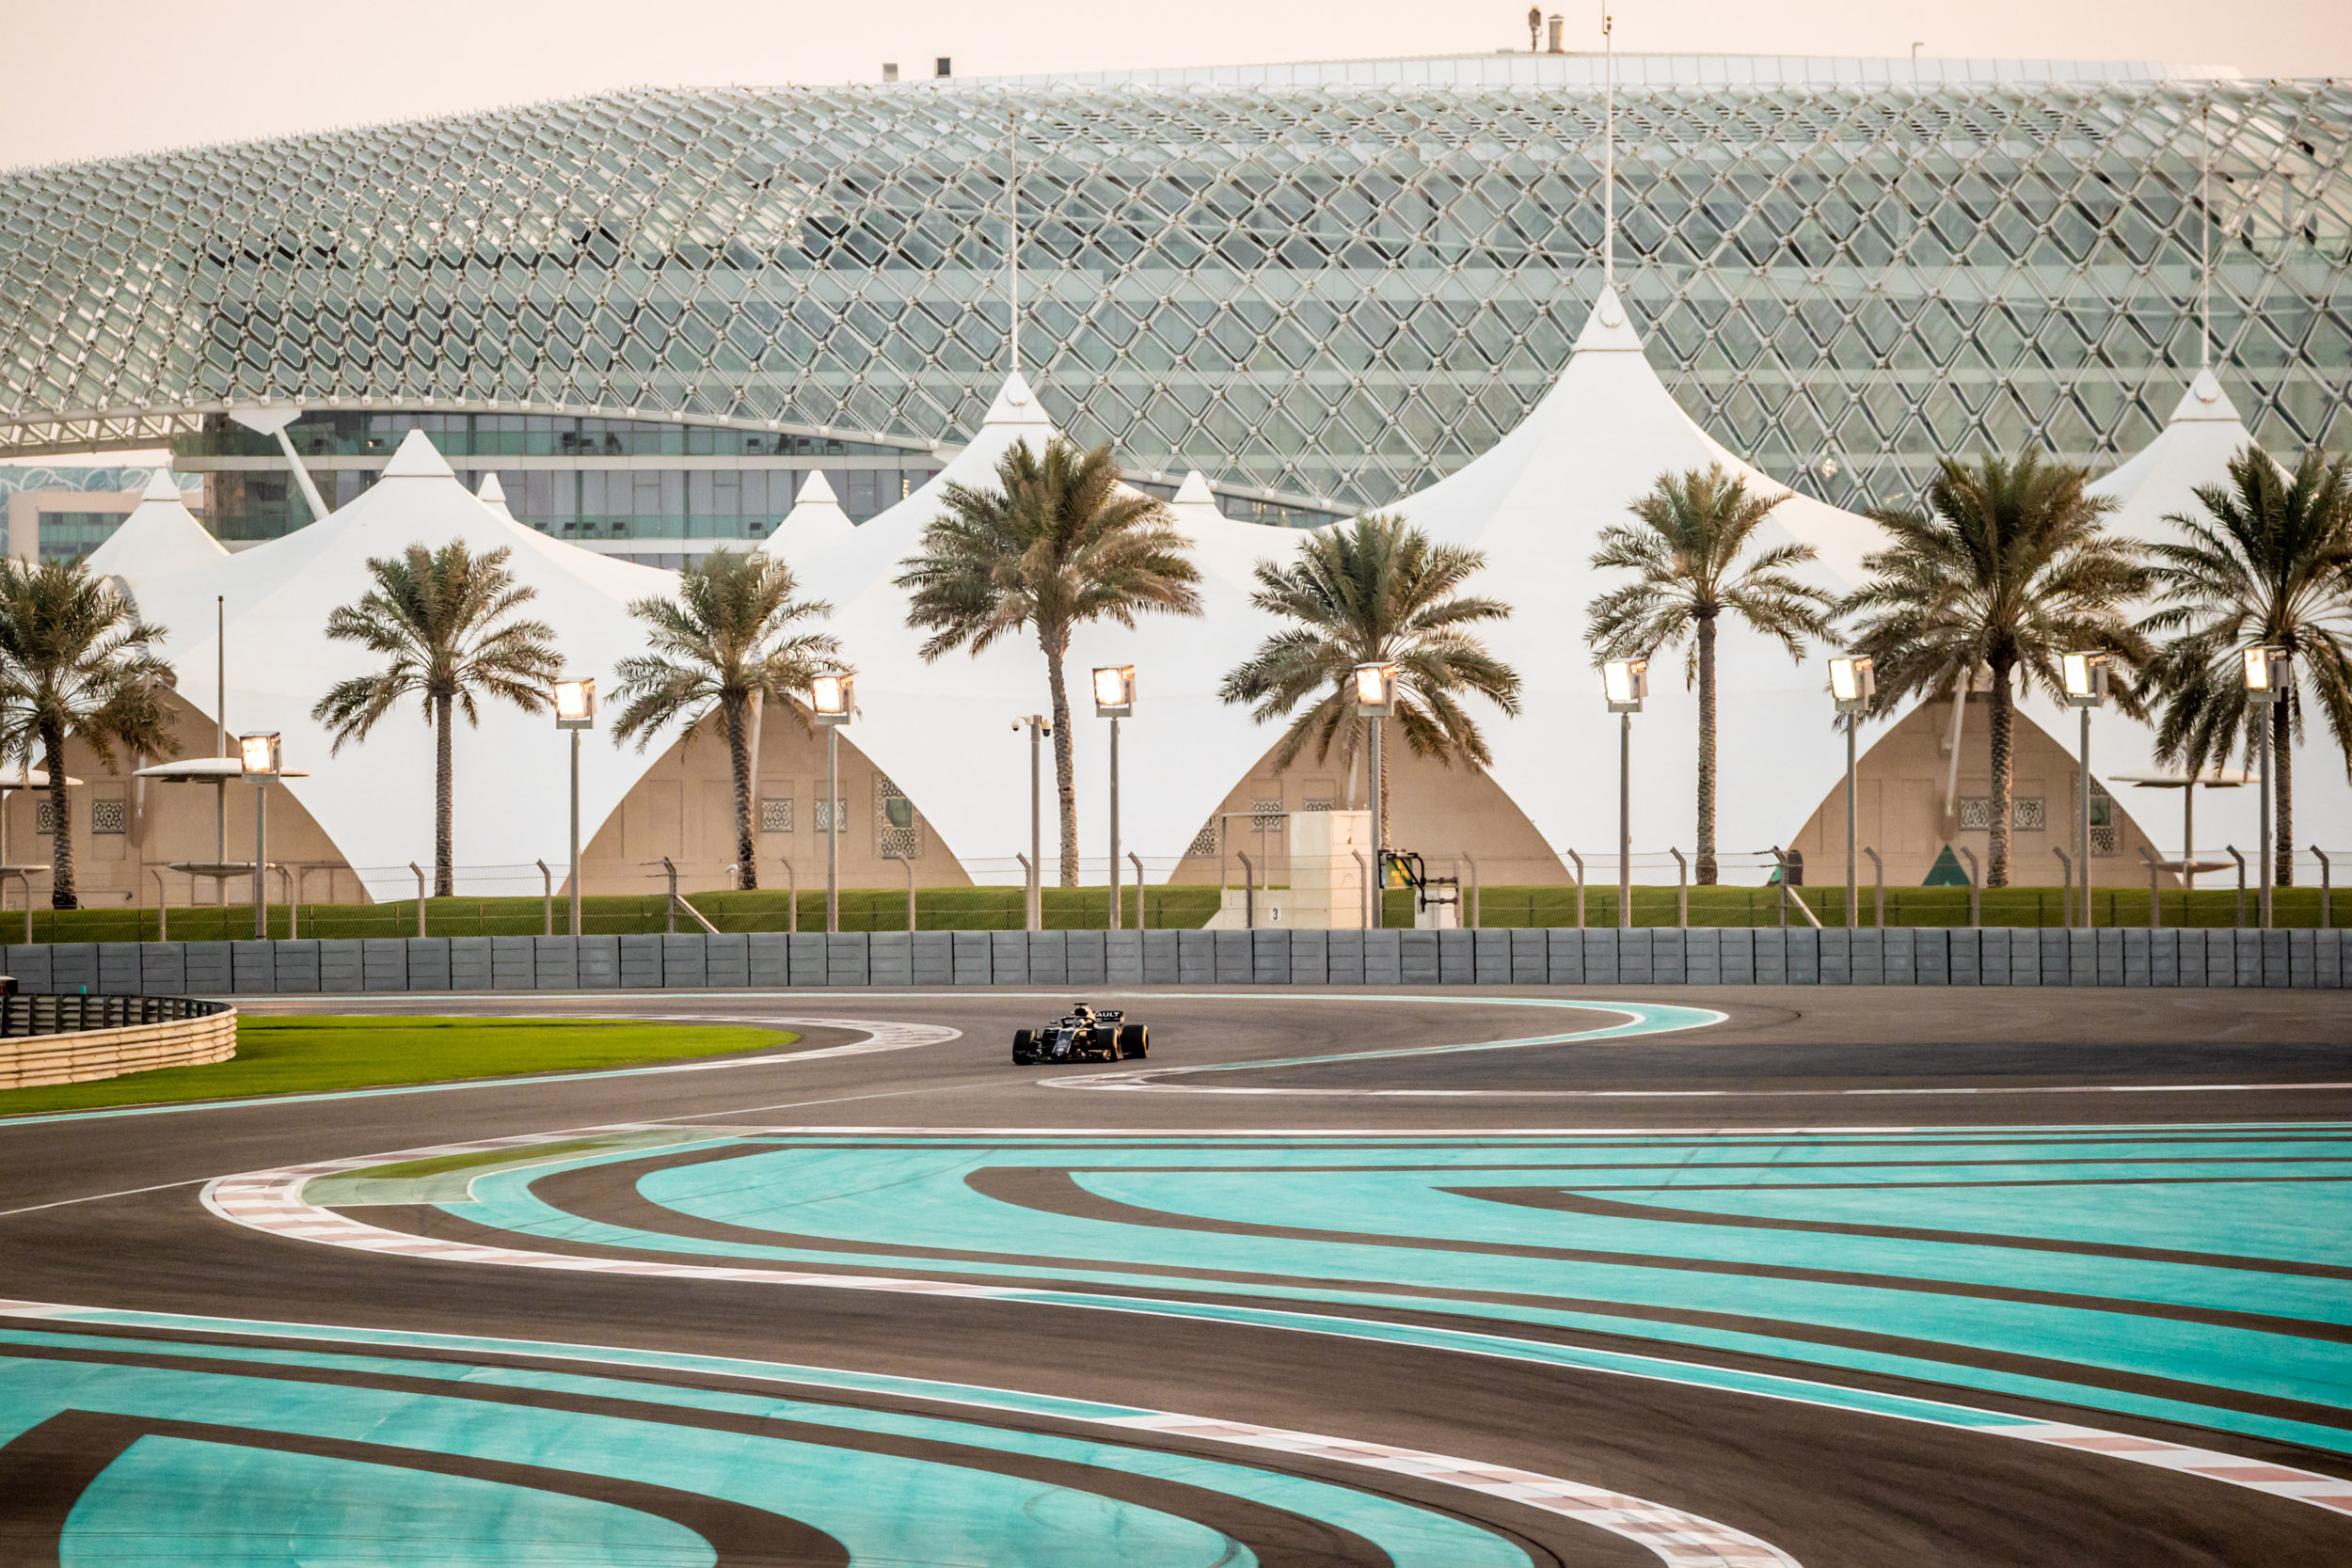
[
  {"x": 1996, "y": 852},
  {"x": 2282, "y": 793},
  {"x": 60, "y": 821},
  {"x": 1707, "y": 751},
  {"x": 1065, "y": 779},
  {"x": 739, "y": 758},
  {"x": 444, "y": 793}
]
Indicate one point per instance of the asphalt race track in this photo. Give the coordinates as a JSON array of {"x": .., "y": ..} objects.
[{"x": 1755, "y": 1277}]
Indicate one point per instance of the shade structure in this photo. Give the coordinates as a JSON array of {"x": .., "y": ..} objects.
[
  {"x": 1535, "y": 503},
  {"x": 375, "y": 802},
  {"x": 160, "y": 539},
  {"x": 942, "y": 730},
  {"x": 814, "y": 523}
]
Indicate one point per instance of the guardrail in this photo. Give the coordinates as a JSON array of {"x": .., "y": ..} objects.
[{"x": 74, "y": 1039}]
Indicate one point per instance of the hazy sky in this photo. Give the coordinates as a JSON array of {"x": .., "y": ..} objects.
[{"x": 101, "y": 77}]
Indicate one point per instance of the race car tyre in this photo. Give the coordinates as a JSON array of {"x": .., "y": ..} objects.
[
  {"x": 1135, "y": 1040},
  {"x": 1024, "y": 1047}
]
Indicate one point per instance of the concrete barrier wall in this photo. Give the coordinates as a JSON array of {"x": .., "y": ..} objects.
[
  {"x": 1065, "y": 960},
  {"x": 81, "y": 1054}
]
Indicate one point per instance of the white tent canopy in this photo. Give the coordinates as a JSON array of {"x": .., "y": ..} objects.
[
  {"x": 814, "y": 523},
  {"x": 376, "y": 801},
  {"x": 161, "y": 538},
  {"x": 1537, "y": 503}
]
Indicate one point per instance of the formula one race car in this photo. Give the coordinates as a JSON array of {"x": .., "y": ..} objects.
[{"x": 1082, "y": 1035}]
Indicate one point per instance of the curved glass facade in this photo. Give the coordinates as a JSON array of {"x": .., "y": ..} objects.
[{"x": 1316, "y": 290}]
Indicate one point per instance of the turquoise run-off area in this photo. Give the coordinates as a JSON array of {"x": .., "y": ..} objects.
[
  {"x": 2165, "y": 1273},
  {"x": 241, "y": 1499}
]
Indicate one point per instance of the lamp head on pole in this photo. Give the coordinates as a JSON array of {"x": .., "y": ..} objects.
[
  {"x": 1375, "y": 690},
  {"x": 2265, "y": 674},
  {"x": 832, "y": 697},
  {"x": 1852, "y": 684},
  {"x": 1115, "y": 691},
  {"x": 2086, "y": 679},
  {"x": 576, "y": 702},
  {"x": 1626, "y": 681},
  {"x": 258, "y": 754}
]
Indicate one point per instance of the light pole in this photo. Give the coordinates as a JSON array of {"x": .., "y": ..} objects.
[
  {"x": 258, "y": 754},
  {"x": 1375, "y": 699},
  {"x": 1626, "y": 682},
  {"x": 1114, "y": 700},
  {"x": 575, "y": 710},
  {"x": 2267, "y": 675},
  {"x": 832, "y": 698},
  {"x": 1032, "y": 879},
  {"x": 1852, "y": 686},
  {"x": 2086, "y": 677}
]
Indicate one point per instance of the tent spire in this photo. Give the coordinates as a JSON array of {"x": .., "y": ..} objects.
[
  {"x": 1608, "y": 142},
  {"x": 2204, "y": 235},
  {"x": 1012, "y": 216}
]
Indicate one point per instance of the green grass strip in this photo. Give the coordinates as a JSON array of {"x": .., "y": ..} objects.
[{"x": 321, "y": 1054}]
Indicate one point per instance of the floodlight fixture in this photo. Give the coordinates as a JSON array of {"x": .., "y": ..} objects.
[
  {"x": 1627, "y": 682},
  {"x": 1375, "y": 690},
  {"x": 1115, "y": 691},
  {"x": 2266, "y": 674},
  {"x": 833, "y": 697},
  {"x": 2086, "y": 679},
  {"x": 576, "y": 702},
  {"x": 1852, "y": 683},
  {"x": 259, "y": 754}
]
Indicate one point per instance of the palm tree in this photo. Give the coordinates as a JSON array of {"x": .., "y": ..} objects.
[
  {"x": 1375, "y": 592},
  {"x": 1056, "y": 543},
  {"x": 441, "y": 619},
  {"x": 2010, "y": 568},
  {"x": 76, "y": 661},
  {"x": 1693, "y": 565},
  {"x": 725, "y": 641},
  {"x": 2269, "y": 564}
]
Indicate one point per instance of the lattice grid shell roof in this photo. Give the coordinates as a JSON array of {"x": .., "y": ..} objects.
[{"x": 1338, "y": 290}]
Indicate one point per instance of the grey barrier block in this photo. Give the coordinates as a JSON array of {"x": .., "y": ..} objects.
[
  {"x": 932, "y": 958},
  {"x": 469, "y": 963},
  {"x": 1735, "y": 955},
  {"x": 29, "y": 963},
  {"x": 1868, "y": 960},
  {"x": 1343, "y": 956},
  {"x": 1930, "y": 955},
  {"x": 163, "y": 968},
  {"x": 1530, "y": 965},
  {"x": 554, "y": 963},
  {"x": 2231, "y": 960},
  {"x": 1636, "y": 948},
  {"x": 2300, "y": 963},
  {"x": 208, "y": 968},
  {"x": 2331, "y": 960},
  {"x": 890, "y": 958},
  {"x": 2163, "y": 957},
  {"x": 1049, "y": 958},
  {"x": 1600, "y": 957},
  {"x": 2188, "y": 957},
  {"x": 1563, "y": 957},
  {"x": 1805, "y": 957},
  {"x": 2108, "y": 962},
  {"x": 2135, "y": 959},
  {"x": 72, "y": 967},
  {"x": 252, "y": 967},
  {"x": 1122, "y": 958},
  {"x": 1457, "y": 958},
  {"x": 1491, "y": 955},
  {"x": 1229, "y": 955},
  {"x": 1270, "y": 958},
  {"x": 971, "y": 957},
  {"x": 1416, "y": 958},
  {"x": 641, "y": 960},
  {"x": 2024, "y": 955},
  {"x": 2080, "y": 957},
  {"x": 767, "y": 958},
  {"x": 428, "y": 964},
  {"x": 1669, "y": 961},
  {"x": 1898, "y": 957},
  {"x": 846, "y": 958},
  {"x": 297, "y": 964},
  {"x": 1196, "y": 957},
  {"x": 2275, "y": 971},
  {"x": 1088, "y": 957},
  {"x": 597, "y": 962},
  {"x": 804, "y": 958},
  {"x": 1702, "y": 956},
  {"x": 1966, "y": 948},
  {"x": 511, "y": 965},
  {"x": 682, "y": 959},
  {"x": 727, "y": 959},
  {"x": 2054, "y": 960},
  {"x": 1311, "y": 957},
  {"x": 1772, "y": 955},
  {"x": 1161, "y": 959},
  {"x": 1384, "y": 958},
  {"x": 118, "y": 968},
  {"x": 1008, "y": 958},
  {"x": 383, "y": 963},
  {"x": 1835, "y": 958}
]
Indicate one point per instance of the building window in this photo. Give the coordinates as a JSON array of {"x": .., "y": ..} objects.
[
  {"x": 1204, "y": 842},
  {"x": 2026, "y": 814},
  {"x": 108, "y": 817},
  {"x": 827, "y": 815},
  {"x": 45, "y": 816},
  {"x": 775, "y": 815},
  {"x": 1265, "y": 823},
  {"x": 897, "y": 832}
]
